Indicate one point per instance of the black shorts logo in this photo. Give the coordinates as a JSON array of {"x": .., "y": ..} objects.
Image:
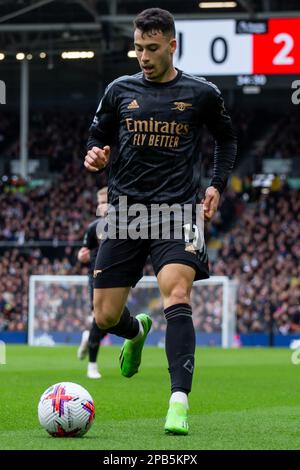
[{"x": 96, "y": 272}]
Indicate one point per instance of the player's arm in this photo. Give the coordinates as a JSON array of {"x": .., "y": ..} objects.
[
  {"x": 97, "y": 158},
  {"x": 219, "y": 124},
  {"x": 101, "y": 133},
  {"x": 84, "y": 254}
]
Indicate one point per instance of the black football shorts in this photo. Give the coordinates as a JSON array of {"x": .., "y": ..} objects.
[{"x": 120, "y": 263}]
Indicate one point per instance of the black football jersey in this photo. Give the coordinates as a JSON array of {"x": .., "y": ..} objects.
[{"x": 157, "y": 130}]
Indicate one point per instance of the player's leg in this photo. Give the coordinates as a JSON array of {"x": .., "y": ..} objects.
[
  {"x": 177, "y": 262},
  {"x": 83, "y": 347},
  {"x": 175, "y": 282},
  {"x": 95, "y": 337},
  {"x": 108, "y": 303},
  {"x": 131, "y": 352},
  {"x": 84, "y": 344},
  {"x": 90, "y": 341},
  {"x": 118, "y": 266}
]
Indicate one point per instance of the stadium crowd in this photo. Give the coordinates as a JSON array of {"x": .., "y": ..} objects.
[
  {"x": 56, "y": 213},
  {"x": 60, "y": 210},
  {"x": 260, "y": 244},
  {"x": 16, "y": 266},
  {"x": 283, "y": 141},
  {"x": 262, "y": 251},
  {"x": 60, "y": 135}
]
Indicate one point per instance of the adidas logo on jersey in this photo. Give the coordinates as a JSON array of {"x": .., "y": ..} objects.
[{"x": 133, "y": 105}]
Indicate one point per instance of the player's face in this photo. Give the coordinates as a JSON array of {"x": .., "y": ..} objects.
[
  {"x": 154, "y": 52},
  {"x": 102, "y": 204}
]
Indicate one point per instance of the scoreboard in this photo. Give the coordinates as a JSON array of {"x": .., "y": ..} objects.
[{"x": 231, "y": 47}]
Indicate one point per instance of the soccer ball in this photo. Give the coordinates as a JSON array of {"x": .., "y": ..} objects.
[{"x": 66, "y": 410}]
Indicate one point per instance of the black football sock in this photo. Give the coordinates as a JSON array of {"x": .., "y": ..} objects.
[
  {"x": 96, "y": 335},
  {"x": 128, "y": 326},
  {"x": 180, "y": 346}
]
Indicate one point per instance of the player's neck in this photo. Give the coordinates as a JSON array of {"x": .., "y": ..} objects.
[
  {"x": 171, "y": 75},
  {"x": 166, "y": 77}
]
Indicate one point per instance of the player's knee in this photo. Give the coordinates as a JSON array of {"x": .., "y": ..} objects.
[
  {"x": 104, "y": 322},
  {"x": 104, "y": 317},
  {"x": 177, "y": 295}
]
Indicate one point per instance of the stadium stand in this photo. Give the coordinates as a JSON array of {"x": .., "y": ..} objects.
[
  {"x": 60, "y": 210},
  {"x": 257, "y": 240},
  {"x": 262, "y": 251}
]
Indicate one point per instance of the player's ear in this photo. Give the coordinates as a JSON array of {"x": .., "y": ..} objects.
[{"x": 173, "y": 45}]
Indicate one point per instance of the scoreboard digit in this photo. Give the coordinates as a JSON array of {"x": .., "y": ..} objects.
[{"x": 278, "y": 51}]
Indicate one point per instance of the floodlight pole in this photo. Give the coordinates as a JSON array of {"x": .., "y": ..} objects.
[{"x": 24, "y": 100}]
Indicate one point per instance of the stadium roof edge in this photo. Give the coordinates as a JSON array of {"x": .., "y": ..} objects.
[{"x": 97, "y": 25}]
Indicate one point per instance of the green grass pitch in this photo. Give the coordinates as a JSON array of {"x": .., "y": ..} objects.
[{"x": 241, "y": 399}]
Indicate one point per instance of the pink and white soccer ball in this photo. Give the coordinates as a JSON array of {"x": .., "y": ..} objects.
[{"x": 66, "y": 410}]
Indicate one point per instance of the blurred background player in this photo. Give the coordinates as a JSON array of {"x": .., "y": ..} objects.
[{"x": 90, "y": 341}]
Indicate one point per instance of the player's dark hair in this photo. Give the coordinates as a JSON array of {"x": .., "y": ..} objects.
[{"x": 155, "y": 19}]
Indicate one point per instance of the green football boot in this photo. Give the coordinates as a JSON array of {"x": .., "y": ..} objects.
[
  {"x": 131, "y": 353},
  {"x": 176, "y": 421}
]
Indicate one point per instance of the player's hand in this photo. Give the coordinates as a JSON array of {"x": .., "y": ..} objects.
[
  {"x": 84, "y": 255},
  {"x": 96, "y": 159},
  {"x": 210, "y": 203}
]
